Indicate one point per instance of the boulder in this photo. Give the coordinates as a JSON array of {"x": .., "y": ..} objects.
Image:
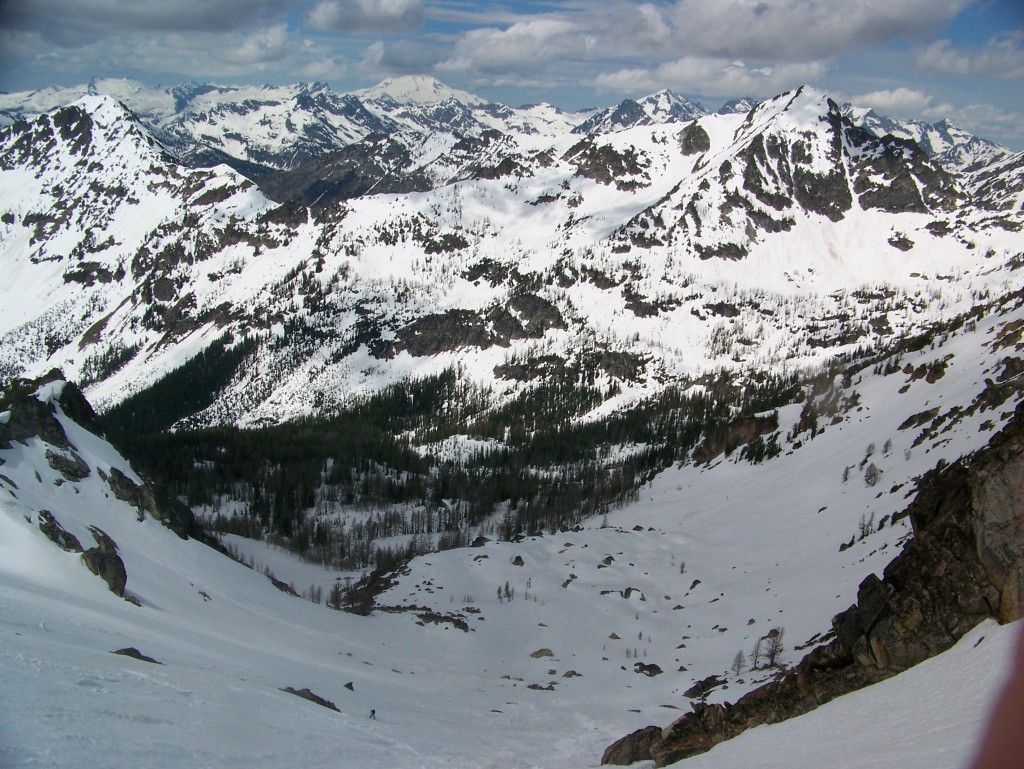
[{"x": 104, "y": 562}]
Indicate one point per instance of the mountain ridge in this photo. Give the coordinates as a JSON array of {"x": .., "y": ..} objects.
[{"x": 489, "y": 267}]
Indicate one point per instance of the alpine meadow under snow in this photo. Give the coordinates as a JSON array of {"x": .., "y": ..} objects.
[{"x": 675, "y": 376}]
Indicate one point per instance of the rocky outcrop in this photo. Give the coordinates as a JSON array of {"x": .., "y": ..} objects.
[
  {"x": 526, "y": 316},
  {"x": 104, "y": 562},
  {"x": 131, "y": 651},
  {"x": 636, "y": 746},
  {"x": 306, "y": 694},
  {"x": 70, "y": 465},
  {"x": 31, "y": 418},
  {"x": 148, "y": 499},
  {"x": 56, "y": 533},
  {"x": 964, "y": 564}
]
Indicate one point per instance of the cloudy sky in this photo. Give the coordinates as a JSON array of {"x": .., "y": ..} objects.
[{"x": 926, "y": 59}]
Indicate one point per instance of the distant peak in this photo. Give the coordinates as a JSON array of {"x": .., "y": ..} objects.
[
  {"x": 741, "y": 105},
  {"x": 418, "y": 89}
]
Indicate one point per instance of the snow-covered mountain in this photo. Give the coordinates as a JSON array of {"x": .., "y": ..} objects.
[
  {"x": 742, "y": 104},
  {"x": 951, "y": 145},
  {"x": 575, "y": 638},
  {"x": 661, "y": 107},
  {"x": 822, "y": 315},
  {"x": 262, "y": 129},
  {"x": 417, "y": 91},
  {"x": 770, "y": 241}
]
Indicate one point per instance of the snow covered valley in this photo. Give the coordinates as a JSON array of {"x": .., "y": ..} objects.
[{"x": 531, "y": 653}]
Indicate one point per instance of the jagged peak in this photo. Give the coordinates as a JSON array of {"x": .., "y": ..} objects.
[{"x": 740, "y": 105}]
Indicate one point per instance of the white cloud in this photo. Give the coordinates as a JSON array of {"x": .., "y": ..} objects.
[
  {"x": 986, "y": 120},
  {"x": 714, "y": 76},
  {"x": 78, "y": 23},
  {"x": 1001, "y": 56},
  {"x": 324, "y": 69},
  {"x": 260, "y": 47},
  {"x": 896, "y": 101},
  {"x": 367, "y": 16},
  {"x": 802, "y": 30},
  {"x": 523, "y": 47}
]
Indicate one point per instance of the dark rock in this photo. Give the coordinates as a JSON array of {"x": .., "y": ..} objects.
[
  {"x": 56, "y": 533},
  {"x": 104, "y": 562},
  {"x": 131, "y": 651},
  {"x": 901, "y": 241},
  {"x": 633, "y": 747},
  {"x": 825, "y": 194},
  {"x": 536, "y": 315},
  {"x": 704, "y": 687},
  {"x": 729, "y": 437},
  {"x": 731, "y": 251},
  {"x": 72, "y": 467},
  {"x": 606, "y": 165},
  {"x": 444, "y": 332},
  {"x": 376, "y": 163},
  {"x": 693, "y": 139},
  {"x": 433, "y": 618},
  {"x": 648, "y": 669},
  {"x": 306, "y": 694},
  {"x": 163, "y": 507},
  {"x": 31, "y": 418},
  {"x": 74, "y": 404},
  {"x": 284, "y": 587}
]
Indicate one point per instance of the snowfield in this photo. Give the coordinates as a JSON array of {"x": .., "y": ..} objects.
[{"x": 533, "y": 653}]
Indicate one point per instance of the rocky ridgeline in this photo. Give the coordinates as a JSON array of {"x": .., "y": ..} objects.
[{"x": 964, "y": 564}]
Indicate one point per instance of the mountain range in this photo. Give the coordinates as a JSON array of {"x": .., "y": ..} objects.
[
  {"x": 653, "y": 254},
  {"x": 691, "y": 383}
]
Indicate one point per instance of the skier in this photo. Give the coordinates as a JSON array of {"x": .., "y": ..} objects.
[{"x": 373, "y": 714}]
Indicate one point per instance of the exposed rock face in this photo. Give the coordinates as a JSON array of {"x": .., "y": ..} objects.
[
  {"x": 633, "y": 747},
  {"x": 964, "y": 564},
  {"x": 526, "y": 316},
  {"x": 306, "y": 694},
  {"x": 174, "y": 515},
  {"x": 56, "y": 533},
  {"x": 694, "y": 139},
  {"x": 70, "y": 465},
  {"x": 131, "y": 651},
  {"x": 31, "y": 418},
  {"x": 104, "y": 562}
]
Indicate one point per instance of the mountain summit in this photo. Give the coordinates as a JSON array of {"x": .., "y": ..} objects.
[{"x": 418, "y": 89}]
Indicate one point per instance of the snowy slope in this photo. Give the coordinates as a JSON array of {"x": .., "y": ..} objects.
[
  {"x": 932, "y": 715},
  {"x": 726, "y": 543}
]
